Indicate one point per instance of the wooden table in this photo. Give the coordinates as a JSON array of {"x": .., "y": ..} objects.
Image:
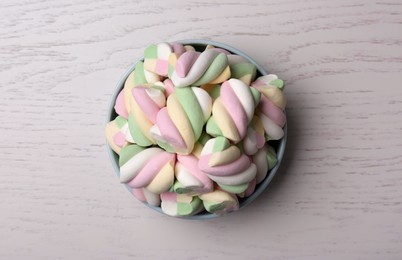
[{"x": 338, "y": 194}]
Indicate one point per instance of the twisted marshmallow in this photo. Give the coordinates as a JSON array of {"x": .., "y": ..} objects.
[
  {"x": 220, "y": 202},
  {"x": 179, "y": 125},
  {"x": 194, "y": 68},
  {"x": 272, "y": 105},
  {"x": 225, "y": 164},
  {"x": 179, "y": 205},
  {"x": 233, "y": 110},
  {"x": 150, "y": 168},
  {"x": 190, "y": 179},
  {"x": 178, "y": 50}
]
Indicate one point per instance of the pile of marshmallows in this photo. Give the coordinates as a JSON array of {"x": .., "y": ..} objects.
[{"x": 193, "y": 127}]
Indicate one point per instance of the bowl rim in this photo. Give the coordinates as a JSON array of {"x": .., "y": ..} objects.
[{"x": 279, "y": 152}]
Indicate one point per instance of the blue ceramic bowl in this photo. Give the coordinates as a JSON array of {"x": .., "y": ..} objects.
[{"x": 278, "y": 145}]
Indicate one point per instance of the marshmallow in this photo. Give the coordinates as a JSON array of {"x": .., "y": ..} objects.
[
  {"x": 146, "y": 101},
  {"x": 255, "y": 137},
  {"x": 194, "y": 68},
  {"x": 180, "y": 124},
  {"x": 179, "y": 205},
  {"x": 139, "y": 76},
  {"x": 117, "y": 134},
  {"x": 235, "y": 189},
  {"x": 190, "y": 179},
  {"x": 272, "y": 104},
  {"x": 265, "y": 159},
  {"x": 156, "y": 58},
  {"x": 225, "y": 164},
  {"x": 220, "y": 202},
  {"x": 242, "y": 69},
  {"x": 150, "y": 168},
  {"x": 233, "y": 110},
  {"x": 161, "y": 58},
  {"x": 144, "y": 195},
  {"x": 168, "y": 86},
  {"x": 250, "y": 189},
  {"x": 120, "y": 105}
]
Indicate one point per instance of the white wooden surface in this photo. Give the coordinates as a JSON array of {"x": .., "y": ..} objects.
[{"x": 338, "y": 194}]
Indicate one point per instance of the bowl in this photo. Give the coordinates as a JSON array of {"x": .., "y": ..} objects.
[{"x": 278, "y": 145}]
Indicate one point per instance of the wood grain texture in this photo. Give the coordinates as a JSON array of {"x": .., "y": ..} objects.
[{"x": 338, "y": 194}]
